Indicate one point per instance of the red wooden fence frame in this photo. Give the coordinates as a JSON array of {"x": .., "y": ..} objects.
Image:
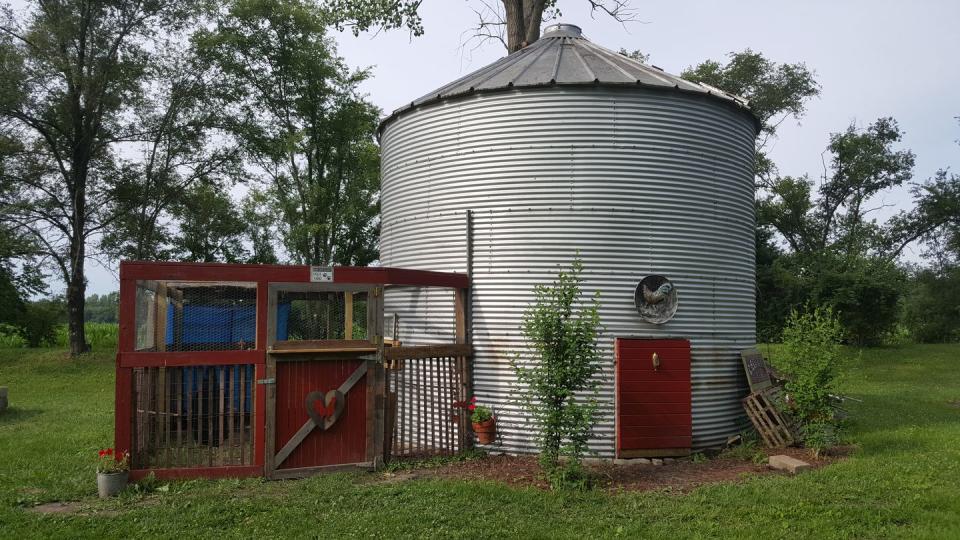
[{"x": 128, "y": 358}]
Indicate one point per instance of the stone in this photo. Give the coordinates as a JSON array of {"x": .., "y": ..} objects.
[
  {"x": 631, "y": 461},
  {"x": 668, "y": 460},
  {"x": 787, "y": 463},
  {"x": 657, "y": 461},
  {"x": 3, "y": 398}
]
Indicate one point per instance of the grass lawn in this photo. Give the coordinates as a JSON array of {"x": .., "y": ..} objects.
[{"x": 904, "y": 481}]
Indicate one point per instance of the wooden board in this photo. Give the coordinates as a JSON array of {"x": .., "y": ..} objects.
[
  {"x": 345, "y": 441},
  {"x": 653, "y": 402},
  {"x": 758, "y": 375}
]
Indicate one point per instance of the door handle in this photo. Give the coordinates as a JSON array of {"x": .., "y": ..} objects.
[{"x": 656, "y": 361}]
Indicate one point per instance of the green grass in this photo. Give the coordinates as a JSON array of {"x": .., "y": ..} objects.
[{"x": 904, "y": 481}]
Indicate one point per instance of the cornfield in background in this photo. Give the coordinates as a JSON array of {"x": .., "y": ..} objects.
[{"x": 99, "y": 335}]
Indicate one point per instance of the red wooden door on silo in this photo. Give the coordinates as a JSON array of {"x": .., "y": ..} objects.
[{"x": 653, "y": 407}]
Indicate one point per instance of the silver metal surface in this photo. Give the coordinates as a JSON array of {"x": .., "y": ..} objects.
[
  {"x": 639, "y": 181},
  {"x": 563, "y": 57}
]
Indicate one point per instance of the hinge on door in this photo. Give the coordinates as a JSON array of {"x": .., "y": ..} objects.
[
  {"x": 376, "y": 292},
  {"x": 271, "y": 380}
]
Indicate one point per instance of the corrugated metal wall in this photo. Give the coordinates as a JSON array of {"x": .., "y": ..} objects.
[{"x": 639, "y": 181}]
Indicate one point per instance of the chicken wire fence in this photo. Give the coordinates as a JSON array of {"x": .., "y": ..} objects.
[
  {"x": 321, "y": 315},
  {"x": 172, "y": 316}
]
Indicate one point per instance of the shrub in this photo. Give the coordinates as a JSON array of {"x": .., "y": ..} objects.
[
  {"x": 811, "y": 342},
  {"x": 931, "y": 310},
  {"x": 562, "y": 332},
  {"x": 38, "y": 324}
]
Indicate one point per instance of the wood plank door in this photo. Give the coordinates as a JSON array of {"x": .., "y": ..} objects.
[
  {"x": 324, "y": 363},
  {"x": 653, "y": 398}
]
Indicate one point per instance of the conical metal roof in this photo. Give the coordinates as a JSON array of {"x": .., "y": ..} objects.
[{"x": 562, "y": 56}]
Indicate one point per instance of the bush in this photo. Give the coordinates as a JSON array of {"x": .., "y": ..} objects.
[
  {"x": 931, "y": 311},
  {"x": 39, "y": 321},
  {"x": 562, "y": 332},
  {"x": 811, "y": 343}
]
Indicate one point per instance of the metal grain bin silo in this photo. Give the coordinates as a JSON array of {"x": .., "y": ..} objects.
[{"x": 567, "y": 146}]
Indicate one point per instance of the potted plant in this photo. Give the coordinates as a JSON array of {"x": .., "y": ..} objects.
[
  {"x": 112, "y": 472},
  {"x": 484, "y": 422}
]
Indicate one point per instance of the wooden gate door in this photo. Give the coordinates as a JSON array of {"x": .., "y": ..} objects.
[
  {"x": 653, "y": 407},
  {"x": 322, "y": 408}
]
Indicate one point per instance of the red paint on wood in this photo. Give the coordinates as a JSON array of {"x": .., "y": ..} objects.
[
  {"x": 198, "y": 472},
  {"x": 134, "y": 270},
  {"x": 653, "y": 404},
  {"x": 346, "y": 440},
  {"x": 260, "y": 416},
  {"x": 126, "y": 313},
  {"x": 189, "y": 358},
  {"x": 122, "y": 432}
]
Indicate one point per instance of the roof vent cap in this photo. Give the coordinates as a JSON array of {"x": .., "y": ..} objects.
[{"x": 562, "y": 30}]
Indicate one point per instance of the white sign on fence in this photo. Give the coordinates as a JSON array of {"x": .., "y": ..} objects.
[{"x": 319, "y": 274}]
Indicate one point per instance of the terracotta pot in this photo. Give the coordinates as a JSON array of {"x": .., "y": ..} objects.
[
  {"x": 486, "y": 431},
  {"x": 110, "y": 484}
]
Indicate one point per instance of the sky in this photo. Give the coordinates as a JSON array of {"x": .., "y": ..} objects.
[{"x": 872, "y": 58}]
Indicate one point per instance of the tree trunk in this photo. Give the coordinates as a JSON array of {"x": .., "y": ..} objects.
[
  {"x": 523, "y": 19},
  {"x": 76, "y": 302}
]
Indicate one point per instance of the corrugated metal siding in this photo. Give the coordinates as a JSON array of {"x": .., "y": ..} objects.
[{"x": 639, "y": 181}]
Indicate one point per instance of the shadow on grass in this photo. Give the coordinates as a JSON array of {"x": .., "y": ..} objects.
[{"x": 14, "y": 415}]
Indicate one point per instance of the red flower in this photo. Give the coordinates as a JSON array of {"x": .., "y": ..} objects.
[
  {"x": 473, "y": 399},
  {"x": 472, "y": 407},
  {"x": 102, "y": 453},
  {"x": 109, "y": 451}
]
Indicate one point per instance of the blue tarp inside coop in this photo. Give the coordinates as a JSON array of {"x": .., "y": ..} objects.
[{"x": 213, "y": 325}]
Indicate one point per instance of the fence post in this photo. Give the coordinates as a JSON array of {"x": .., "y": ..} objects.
[{"x": 461, "y": 300}]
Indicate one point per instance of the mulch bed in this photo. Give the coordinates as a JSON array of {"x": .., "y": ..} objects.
[{"x": 681, "y": 475}]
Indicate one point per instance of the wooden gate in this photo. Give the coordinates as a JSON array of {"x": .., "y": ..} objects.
[
  {"x": 323, "y": 365},
  {"x": 653, "y": 397}
]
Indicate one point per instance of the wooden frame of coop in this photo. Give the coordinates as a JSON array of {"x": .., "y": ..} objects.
[{"x": 281, "y": 371}]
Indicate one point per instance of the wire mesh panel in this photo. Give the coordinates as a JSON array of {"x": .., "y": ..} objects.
[
  {"x": 321, "y": 315},
  {"x": 192, "y": 416},
  {"x": 426, "y": 403},
  {"x": 195, "y": 316}
]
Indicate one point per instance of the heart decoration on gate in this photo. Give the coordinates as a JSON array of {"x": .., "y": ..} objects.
[{"x": 331, "y": 407}]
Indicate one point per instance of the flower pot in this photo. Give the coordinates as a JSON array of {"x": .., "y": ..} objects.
[
  {"x": 486, "y": 431},
  {"x": 110, "y": 484}
]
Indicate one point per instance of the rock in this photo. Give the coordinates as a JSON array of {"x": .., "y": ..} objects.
[
  {"x": 657, "y": 461},
  {"x": 668, "y": 460},
  {"x": 3, "y": 398},
  {"x": 631, "y": 461},
  {"x": 787, "y": 463}
]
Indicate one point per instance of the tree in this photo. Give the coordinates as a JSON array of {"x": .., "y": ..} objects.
[
  {"x": 209, "y": 226},
  {"x": 514, "y": 23},
  {"x": 835, "y": 252},
  {"x": 775, "y": 92},
  {"x": 562, "y": 331},
  {"x": 257, "y": 214},
  {"x": 182, "y": 144},
  {"x": 863, "y": 164},
  {"x": 72, "y": 71},
  {"x": 294, "y": 107}
]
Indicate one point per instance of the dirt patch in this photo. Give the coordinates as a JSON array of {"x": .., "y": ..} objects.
[
  {"x": 680, "y": 475},
  {"x": 56, "y": 508},
  {"x": 955, "y": 403}
]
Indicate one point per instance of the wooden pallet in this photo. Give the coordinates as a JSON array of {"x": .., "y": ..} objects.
[{"x": 775, "y": 428}]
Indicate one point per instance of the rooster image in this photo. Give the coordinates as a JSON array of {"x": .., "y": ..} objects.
[{"x": 657, "y": 296}]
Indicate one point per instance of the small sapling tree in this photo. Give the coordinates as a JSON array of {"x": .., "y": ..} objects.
[
  {"x": 558, "y": 384},
  {"x": 811, "y": 340}
]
